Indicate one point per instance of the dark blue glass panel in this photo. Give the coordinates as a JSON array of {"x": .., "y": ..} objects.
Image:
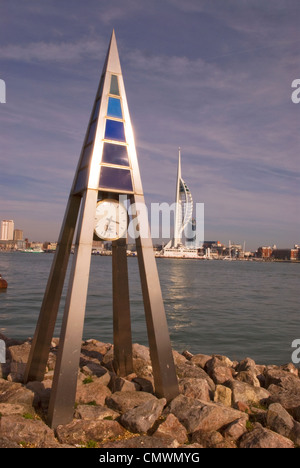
[
  {"x": 92, "y": 132},
  {"x": 114, "y": 130},
  {"x": 114, "y": 85},
  {"x": 86, "y": 156},
  {"x": 115, "y": 179},
  {"x": 114, "y": 108},
  {"x": 115, "y": 154}
]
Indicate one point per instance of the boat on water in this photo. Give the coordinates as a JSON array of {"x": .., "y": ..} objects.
[
  {"x": 31, "y": 250},
  {"x": 3, "y": 283}
]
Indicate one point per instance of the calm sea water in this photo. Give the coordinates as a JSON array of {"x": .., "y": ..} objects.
[{"x": 238, "y": 309}]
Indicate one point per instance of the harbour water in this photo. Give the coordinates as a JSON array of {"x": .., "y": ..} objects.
[{"x": 236, "y": 308}]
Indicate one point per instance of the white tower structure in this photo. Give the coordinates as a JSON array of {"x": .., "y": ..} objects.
[
  {"x": 184, "y": 206},
  {"x": 7, "y": 229}
]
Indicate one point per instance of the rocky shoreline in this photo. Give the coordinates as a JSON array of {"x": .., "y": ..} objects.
[{"x": 222, "y": 404}]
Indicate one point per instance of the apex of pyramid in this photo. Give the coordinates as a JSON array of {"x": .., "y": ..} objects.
[{"x": 112, "y": 62}]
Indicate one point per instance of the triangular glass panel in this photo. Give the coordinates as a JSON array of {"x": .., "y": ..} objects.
[
  {"x": 114, "y": 85},
  {"x": 114, "y": 108}
]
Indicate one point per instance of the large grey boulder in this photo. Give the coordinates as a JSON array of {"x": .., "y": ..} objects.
[
  {"x": 143, "y": 417},
  {"x": 247, "y": 394},
  {"x": 82, "y": 431},
  {"x": 125, "y": 401},
  {"x": 198, "y": 415},
  {"x": 261, "y": 437}
]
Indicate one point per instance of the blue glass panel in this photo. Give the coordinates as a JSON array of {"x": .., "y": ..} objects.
[
  {"x": 92, "y": 132},
  {"x": 96, "y": 111},
  {"x": 114, "y": 130},
  {"x": 86, "y": 156},
  {"x": 114, "y": 108},
  {"x": 114, "y": 85},
  {"x": 115, "y": 179},
  {"x": 115, "y": 154}
]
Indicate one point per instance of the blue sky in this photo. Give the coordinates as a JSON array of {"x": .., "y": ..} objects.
[{"x": 212, "y": 77}]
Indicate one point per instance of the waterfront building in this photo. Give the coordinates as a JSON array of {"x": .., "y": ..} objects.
[
  {"x": 7, "y": 230},
  {"x": 18, "y": 235}
]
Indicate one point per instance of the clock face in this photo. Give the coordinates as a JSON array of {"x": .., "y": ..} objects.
[{"x": 110, "y": 220}]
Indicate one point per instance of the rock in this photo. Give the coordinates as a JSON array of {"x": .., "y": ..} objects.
[
  {"x": 187, "y": 354},
  {"x": 197, "y": 415},
  {"x": 5, "y": 443},
  {"x": 81, "y": 431},
  {"x": 283, "y": 379},
  {"x": 118, "y": 384},
  {"x": 247, "y": 394},
  {"x": 94, "y": 369},
  {"x": 94, "y": 349},
  {"x": 240, "y": 406},
  {"x": 4, "y": 370},
  {"x": 291, "y": 368},
  {"x": 144, "y": 384},
  {"x": 249, "y": 377},
  {"x": 280, "y": 421},
  {"x": 125, "y": 401},
  {"x": 95, "y": 412},
  {"x": 28, "y": 432},
  {"x": 219, "y": 369},
  {"x": 41, "y": 392},
  {"x": 289, "y": 399},
  {"x": 200, "y": 360},
  {"x": 195, "y": 388},
  {"x": 258, "y": 414},
  {"x": 18, "y": 357},
  {"x": 211, "y": 439},
  {"x": 261, "y": 437},
  {"x": 246, "y": 365},
  {"x": 221, "y": 375},
  {"x": 143, "y": 369},
  {"x": 92, "y": 392},
  {"x": 223, "y": 395},
  {"x": 171, "y": 427},
  {"x": 235, "y": 430},
  {"x": 189, "y": 370},
  {"x": 143, "y": 417},
  {"x": 178, "y": 358},
  {"x": 141, "y": 352},
  {"x": 19, "y": 353},
  {"x": 12, "y": 392},
  {"x": 144, "y": 442},
  {"x": 217, "y": 361},
  {"x": 10, "y": 409}
]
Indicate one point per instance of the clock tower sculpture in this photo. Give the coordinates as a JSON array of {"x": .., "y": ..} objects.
[{"x": 107, "y": 174}]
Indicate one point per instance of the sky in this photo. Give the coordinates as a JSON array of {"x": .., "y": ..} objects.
[{"x": 212, "y": 77}]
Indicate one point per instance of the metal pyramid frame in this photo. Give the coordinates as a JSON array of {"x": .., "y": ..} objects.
[{"x": 107, "y": 168}]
